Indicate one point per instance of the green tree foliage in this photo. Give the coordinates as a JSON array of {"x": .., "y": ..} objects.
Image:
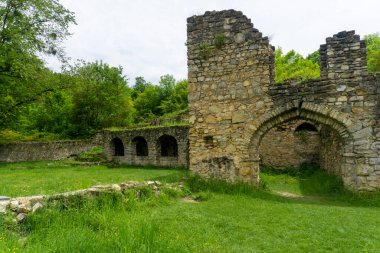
[
  {"x": 293, "y": 66},
  {"x": 101, "y": 98},
  {"x": 147, "y": 104},
  {"x": 373, "y": 52},
  {"x": 139, "y": 87},
  {"x": 27, "y": 30},
  {"x": 177, "y": 101},
  {"x": 167, "y": 83},
  {"x": 156, "y": 100},
  {"x": 314, "y": 57}
]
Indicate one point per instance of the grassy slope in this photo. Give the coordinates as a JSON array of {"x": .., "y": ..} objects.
[
  {"x": 241, "y": 221},
  {"x": 33, "y": 178}
]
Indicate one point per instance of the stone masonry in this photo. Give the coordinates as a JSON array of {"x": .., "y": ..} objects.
[
  {"x": 234, "y": 102},
  {"x": 159, "y": 146},
  {"x": 286, "y": 146}
]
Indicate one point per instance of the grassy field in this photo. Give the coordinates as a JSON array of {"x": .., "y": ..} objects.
[
  {"x": 34, "y": 178},
  {"x": 229, "y": 218}
]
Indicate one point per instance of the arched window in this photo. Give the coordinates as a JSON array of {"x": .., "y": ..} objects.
[
  {"x": 141, "y": 146},
  {"x": 306, "y": 127},
  {"x": 117, "y": 146},
  {"x": 168, "y": 145}
]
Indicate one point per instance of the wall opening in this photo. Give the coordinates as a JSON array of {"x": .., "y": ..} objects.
[
  {"x": 306, "y": 127},
  {"x": 168, "y": 146},
  {"x": 335, "y": 141},
  {"x": 117, "y": 146},
  {"x": 290, "y": 144},
  {"x": 140, "y": 146}
]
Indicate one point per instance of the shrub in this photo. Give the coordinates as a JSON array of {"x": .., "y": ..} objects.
[
  {"x": 219, "y": 40},
  {"x": 204, "y": 51}
]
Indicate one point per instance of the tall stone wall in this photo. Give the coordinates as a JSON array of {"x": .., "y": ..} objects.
[
  {"x": 153, "y": 154},
  {"x": 233, "y": 101},
  {"x": 283, "y": 146},
  {"x": 225, "y": 90}
]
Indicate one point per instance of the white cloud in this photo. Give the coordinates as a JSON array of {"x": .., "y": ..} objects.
[{"x": 147, "y": 37}]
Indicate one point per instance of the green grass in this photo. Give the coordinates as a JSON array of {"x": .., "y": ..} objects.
[
  {"x": 230, "y": 218},
  {"x": 306, "y": 180},
  {"x": 46, "y": 177}
]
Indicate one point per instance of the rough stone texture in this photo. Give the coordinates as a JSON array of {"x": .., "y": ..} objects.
[
  {"x": 22, "y": 206},
  {"x": 233, "y": 102},
  {"x": 284, "y": 147},
  {"x": 152, "y": 137},
  {"x": 54, "y": 150}
]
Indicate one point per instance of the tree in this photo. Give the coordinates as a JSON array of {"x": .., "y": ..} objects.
[
  {"x": 167, "y": 83},
  {"x": 373, "y": 52},
  {"x": 101, "y": 98},
  {"x": 177, "y": 101},
  {"x": 139, "y": 87},
  {"x": 147, "y": 104},
  {"x": 293, "y": 66},
  {"x": 27, "y": 30},
  {"x": 314, "y": 57}
]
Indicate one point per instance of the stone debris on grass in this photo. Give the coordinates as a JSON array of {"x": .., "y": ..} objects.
[{"x": 20, "y": 207}]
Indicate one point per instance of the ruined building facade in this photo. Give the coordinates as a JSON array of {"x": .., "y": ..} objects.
[
  {"x": 234, "y": 102},
  {"x": 239, "y": 118}
]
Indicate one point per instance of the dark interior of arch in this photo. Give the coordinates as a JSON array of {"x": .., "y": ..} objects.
[
  {"x": 306, "y": 127},
  {"x": 168, "y": 145},
  {"x": 141, "y": 146},
  {"x": 118, "y": 147}
]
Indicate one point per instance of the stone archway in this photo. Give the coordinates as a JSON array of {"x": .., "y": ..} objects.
[
  {"x": 117, "y": 146},
  {"x": 140, "y": 146},
  {"x": 335, "y": 158},
  {"x": 167, "y": 146},
  {"x": 234, "y": 100},
  {"x": 290, "y": 144}
]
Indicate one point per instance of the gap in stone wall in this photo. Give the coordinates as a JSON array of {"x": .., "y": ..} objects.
[{"x": 290, "y": 144}]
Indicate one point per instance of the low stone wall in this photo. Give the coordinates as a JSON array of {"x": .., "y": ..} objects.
[
  {"x": 284, "y": 147},
  {"x": 54, "y": 150},
  {"x": 20, "y": 207}
]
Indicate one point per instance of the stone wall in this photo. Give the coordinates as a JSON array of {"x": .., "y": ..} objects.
[
  {"x": 234, "y": 102},
  {"x": 53, "y": 150},
  {"x": 284, "y": 146},
  {"x": 331, "y": 151},
  {"x": 159, "y": 146}
]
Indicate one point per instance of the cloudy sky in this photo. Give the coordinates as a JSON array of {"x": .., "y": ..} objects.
[{"x": 147, "y": 37}]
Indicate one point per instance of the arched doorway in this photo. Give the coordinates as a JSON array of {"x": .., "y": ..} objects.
[
  {"x": 335, "y": 147},
  {"x": 117, "y": 147},
  {"x": 140, "y": 146},
  {"x": 167, "y": 146},
  {"x": 290, "y": 144}
]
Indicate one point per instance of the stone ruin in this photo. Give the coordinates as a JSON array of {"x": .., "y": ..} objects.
[
  {"x": 234, "y": 102},
  {"x": 239, "y": 117}
]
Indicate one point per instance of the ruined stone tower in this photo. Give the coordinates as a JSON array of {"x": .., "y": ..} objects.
[{"x": 234, "y": 102}]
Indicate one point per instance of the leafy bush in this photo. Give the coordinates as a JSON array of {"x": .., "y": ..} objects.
[{"x": 94, "y": 155}]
